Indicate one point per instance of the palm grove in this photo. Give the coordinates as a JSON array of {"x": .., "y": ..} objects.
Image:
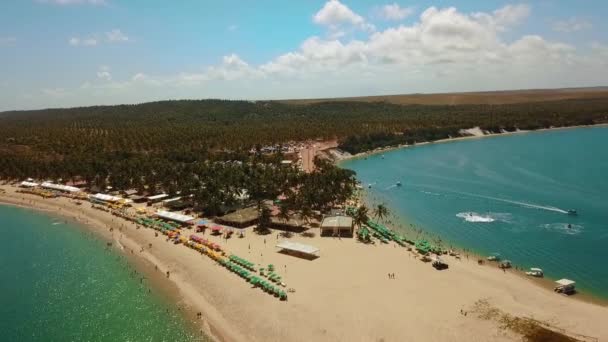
[{"x": 210, "y": 148}]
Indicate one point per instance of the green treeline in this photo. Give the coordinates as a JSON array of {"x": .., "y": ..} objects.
[{"x": 205, "y": 146}]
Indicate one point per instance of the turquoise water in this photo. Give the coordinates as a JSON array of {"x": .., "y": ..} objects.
[
  {"x": 507, "y": 195},
  {"x": 61, "y": 284}
]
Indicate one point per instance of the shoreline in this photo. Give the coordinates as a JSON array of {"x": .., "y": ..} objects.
[
  {"x": 169, "y": 291},
  {"x": 546, "y": 283},
  {"x": 334, "y": 302},
  {"x": 456, "y": 139}
]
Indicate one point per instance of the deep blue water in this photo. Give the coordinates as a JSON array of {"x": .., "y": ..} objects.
[
  {"x": 59, "y": 283},
  {"x": 507, "y": 195}
]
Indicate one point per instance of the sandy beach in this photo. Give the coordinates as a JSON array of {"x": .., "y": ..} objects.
[{"x": 345, "y": 294}]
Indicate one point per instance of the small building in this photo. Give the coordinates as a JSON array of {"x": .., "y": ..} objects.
[
  {"x": 241, "y": 218},
  {"x": 337, "y": 226},
  {"x": 156, "y": 198},
  {"x": 26, "y": 184},
  {"x": 59, "y": 187},
  {"x": 103, "y": 198},
  {"x": 177, "y": 217}
]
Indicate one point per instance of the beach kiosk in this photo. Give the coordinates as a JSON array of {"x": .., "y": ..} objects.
[
  {"x": 565, "y": 286},
  {"x": 338, "y": 225}
]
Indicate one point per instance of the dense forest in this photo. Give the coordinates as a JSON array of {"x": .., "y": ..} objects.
[{"x": 185, "y": 145}]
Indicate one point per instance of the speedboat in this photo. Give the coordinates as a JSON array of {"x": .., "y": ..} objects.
[
  {"x": 572, "y": 212},
  {"x": 398, "y": 183}
]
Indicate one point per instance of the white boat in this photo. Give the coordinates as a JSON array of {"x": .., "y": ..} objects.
[
  {"x": 494, "y": 257},
  {"x": 572, "y": 212},
  {"x": 535, "y": 272}
]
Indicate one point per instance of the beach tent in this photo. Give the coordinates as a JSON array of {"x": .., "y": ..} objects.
[
  {"x": 298, "y": 248},
  {"x": 174, "y": 216},
  {"x": 59, "y": 187}
]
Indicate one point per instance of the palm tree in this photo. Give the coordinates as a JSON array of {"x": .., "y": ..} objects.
[
  {"x": 361, "y": 216},
  {"x": 263, "y": 219},
  {"x": 284, "y": 212},
  {"x": 380, "y": 212}
]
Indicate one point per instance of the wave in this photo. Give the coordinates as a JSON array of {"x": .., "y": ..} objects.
[
  {"x": 55, "y": 223},
  {"x": 563, "y": 228}
]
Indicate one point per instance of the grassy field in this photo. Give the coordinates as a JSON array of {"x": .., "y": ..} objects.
[{"x": 489, "y": 97}]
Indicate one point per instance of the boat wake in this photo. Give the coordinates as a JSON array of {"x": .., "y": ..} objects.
[
  {"x": 475, "y": 217},
  {"x": 521, "y": 204},
  {"x": 563, "y": 228}
]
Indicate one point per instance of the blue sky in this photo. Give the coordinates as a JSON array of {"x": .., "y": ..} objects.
[{"x": 58, "y": 53}]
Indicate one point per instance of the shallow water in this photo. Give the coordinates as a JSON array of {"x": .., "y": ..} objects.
[
  {"x": 60, "y": 283},
  {"x": 507, "y": 195}
]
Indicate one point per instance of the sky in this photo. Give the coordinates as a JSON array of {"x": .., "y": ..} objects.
[{"x": 65, "y": 53}]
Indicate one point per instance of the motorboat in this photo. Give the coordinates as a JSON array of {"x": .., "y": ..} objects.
[
  {"x": 535, "y": 272},
  {"x": 398, "y": 183},
  {"x": 572, "y": 212}
]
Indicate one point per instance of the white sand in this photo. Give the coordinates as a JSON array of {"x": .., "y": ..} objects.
[{"x": 345, "y": 295}]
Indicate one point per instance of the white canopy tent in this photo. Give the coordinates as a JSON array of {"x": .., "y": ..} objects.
[
  {"x": 110, "y": 198},
  {"x": 298, "y": 247},
  {"x": 26, "y": 184},
  {"x": 174, "y": 216},
  {"x": 59, "y": 187},
  {"x": 565, "y": 282}
]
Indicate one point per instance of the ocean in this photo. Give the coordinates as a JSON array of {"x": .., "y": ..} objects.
[
  {"x": 505, "y": 194},
  {"x": 60, "y": 283}
]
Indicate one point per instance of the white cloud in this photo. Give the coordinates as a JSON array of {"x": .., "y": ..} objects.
[
  {"x": 571, "y": 25},
  {"x": 75, "y": 41},
  {"x": 116, "y": 36},
  {"x": 443, "y": 50},
  {"x": 104, "y": 75},
  {"x": 394, "y": 12},
  {"x": 335, "y": 14},
  {"x": 112, "y": 37},
  {"x": 6, "y": 41},
  {"x": 74, "y": 2},
  {"x": 55, "y": 92}
]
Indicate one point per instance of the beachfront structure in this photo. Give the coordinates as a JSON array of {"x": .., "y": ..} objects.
[
  {"x": 170, "y": 200},
  {"x": 299, "y": 249},
  {"x": 565, "y": 286},
  {"x": 180, "y": 218},
  {"x": 26, "y": 184},
  {"x": 109, "y": 199},
  {"x": 156, "y": 198},
  {"x": 59, "y": 187},
  {"x": 241, "y": 218},
  {"x": 339, "y": 225}
]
